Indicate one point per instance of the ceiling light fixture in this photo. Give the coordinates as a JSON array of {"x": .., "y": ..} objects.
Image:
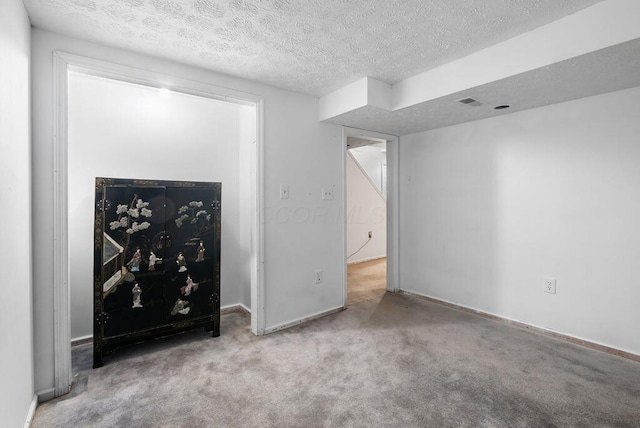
[{"x": 502, "y": 107}]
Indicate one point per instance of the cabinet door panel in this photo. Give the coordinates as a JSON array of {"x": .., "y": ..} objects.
[
  {"x": 191, "y": 224},
  {"x": 133, "y": 291}
]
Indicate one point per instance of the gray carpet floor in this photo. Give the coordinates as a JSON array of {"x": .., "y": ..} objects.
[{"x": 389, "y": 360}]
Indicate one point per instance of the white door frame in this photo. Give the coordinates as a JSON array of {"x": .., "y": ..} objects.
[
  {"x": 393, "y": 204},
  {"x": 63, "y": 63}
]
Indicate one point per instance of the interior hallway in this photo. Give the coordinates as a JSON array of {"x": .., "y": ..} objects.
[
  {"x": 366, "y": 280},
  {"x": 388, "y": 360}
]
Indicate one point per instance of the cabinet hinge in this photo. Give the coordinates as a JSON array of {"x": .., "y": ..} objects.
[
  {"x": 102, "y": 318},
  {"x": 103, "y": 205}
]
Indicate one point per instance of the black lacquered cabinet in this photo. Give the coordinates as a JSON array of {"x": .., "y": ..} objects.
[{"x": 156, "y": 260}]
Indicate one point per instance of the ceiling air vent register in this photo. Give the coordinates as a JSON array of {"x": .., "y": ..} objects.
[{"x": 471, "y": 102}]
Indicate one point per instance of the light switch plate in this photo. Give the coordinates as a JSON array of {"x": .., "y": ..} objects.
[{"x": 284, "y": 191}]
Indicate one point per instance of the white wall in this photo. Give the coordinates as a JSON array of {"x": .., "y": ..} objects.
[
  {"x": 16, "y": 351},
  {"x": 489, "y": 208},
  {"x": 246, "y": 170},
  {"x": 371, "y": 158},
  {"x": 298, "y": 151},
  {"x": 366, "y": 211},
  {"x": 131, "y": 131}
]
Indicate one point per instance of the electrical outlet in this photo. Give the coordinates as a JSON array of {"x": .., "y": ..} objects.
[
  {"x": 327, "y": 193},
  {"x": 550, "y": 285},
  {"x": 370, "y": 234},
  {"x": 317, "y": 277}
]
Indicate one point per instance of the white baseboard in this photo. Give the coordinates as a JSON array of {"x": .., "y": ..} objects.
[
  {"x": 368, "y": 259},
  {"x": 293, "y": 323},
  {"x": 234, "y": 307},
  {"x": 32, "y": 411},
  {"x": 526, "y": 325},
  {"x": 46, "y": 395},
  {"x": 82, "y": 340}
]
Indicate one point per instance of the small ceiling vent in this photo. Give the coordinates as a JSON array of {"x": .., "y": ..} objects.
[{"x": 471, "y": 102}]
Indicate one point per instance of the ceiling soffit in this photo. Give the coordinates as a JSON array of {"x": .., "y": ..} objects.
[
  {"x": 561, "y": 61},
  {"x": 544, "y": 86}
]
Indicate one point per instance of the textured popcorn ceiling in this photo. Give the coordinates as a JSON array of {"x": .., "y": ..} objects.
[{"x": 310, "y": 46}]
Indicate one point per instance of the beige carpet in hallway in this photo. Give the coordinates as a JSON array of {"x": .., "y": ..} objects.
[{"x": 366, "y": 280}]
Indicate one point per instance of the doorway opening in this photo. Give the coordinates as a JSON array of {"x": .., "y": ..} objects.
[
  {"x": 125, "y": 130},
  {"x": 366, "y": 216},
  {"x": 249, "y": 108}
]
